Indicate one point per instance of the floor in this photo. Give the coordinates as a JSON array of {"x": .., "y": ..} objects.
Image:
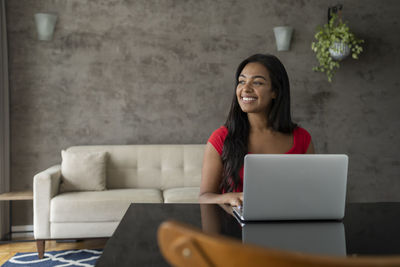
[{"x": 9, "y": 250}]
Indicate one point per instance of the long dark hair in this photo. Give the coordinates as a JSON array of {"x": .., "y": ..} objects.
[{"x": 279, "y": 119}]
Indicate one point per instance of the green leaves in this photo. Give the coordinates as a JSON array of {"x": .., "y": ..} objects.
[{"x": 326, "y": 36}]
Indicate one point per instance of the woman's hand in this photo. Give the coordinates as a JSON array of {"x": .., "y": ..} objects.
[{"x": 233, "y": 199}]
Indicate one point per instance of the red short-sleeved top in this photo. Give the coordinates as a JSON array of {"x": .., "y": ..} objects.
[{"x": 301, "y": 141}]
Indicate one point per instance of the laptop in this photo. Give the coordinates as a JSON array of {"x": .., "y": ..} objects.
[{"x": 293, "y": 187}]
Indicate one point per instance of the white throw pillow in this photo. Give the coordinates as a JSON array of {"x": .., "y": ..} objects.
[{"x": 83, "y": 171}]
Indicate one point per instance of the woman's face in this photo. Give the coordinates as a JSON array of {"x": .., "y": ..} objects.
[{"x": 253, "y": 91}]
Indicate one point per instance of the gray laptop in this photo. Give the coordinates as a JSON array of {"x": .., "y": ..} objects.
[{"x": 293, "y": 187}]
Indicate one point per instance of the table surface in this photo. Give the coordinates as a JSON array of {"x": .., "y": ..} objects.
[{"x": 367, "y": 229}]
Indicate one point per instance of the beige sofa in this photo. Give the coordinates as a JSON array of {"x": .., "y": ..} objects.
[{"x": 134, "y": 174}]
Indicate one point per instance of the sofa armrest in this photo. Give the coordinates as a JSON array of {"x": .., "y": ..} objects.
[{"x": 45, "y": 187}]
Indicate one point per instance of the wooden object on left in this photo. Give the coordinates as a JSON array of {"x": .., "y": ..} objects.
[
  {"x": 20, "y": 195},
  {"x": 14, "y": 196}
]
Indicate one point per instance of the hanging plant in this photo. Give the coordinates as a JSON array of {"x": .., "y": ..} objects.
[{"x": 334, "y": 42}]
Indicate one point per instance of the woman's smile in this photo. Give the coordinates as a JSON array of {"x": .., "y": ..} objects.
[{"x": 248, "y": 99}]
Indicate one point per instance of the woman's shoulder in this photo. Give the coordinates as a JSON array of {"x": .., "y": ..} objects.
[
  {"x": 302, "y": 138},
  {"x": 301, "y": 131},
  {"x": 221, "y": 131},
  {"x": 217, "y": 138}
]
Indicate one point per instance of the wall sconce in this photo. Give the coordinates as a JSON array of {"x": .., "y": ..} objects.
[
  {"x": 45, "y": 24},
  {"x": 283, "y": 36}
]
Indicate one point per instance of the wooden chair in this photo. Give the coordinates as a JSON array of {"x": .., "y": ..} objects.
[{"x": 185, "y": 246}]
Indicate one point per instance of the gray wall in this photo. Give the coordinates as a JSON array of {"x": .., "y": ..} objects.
[{"x": 145, "y": 72}]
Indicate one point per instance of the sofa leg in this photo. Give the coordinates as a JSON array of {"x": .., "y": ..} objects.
[{"x": 40, "y": 248}]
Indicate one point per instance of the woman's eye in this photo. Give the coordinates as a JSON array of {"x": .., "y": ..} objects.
[
  {"x": 242, "y": 82},
  {"x": 258, "y": 83}
]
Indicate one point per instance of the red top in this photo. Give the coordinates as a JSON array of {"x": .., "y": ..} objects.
[{"x": 301, "y": 141}]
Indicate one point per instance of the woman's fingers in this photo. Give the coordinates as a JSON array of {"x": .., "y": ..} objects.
[
  {"x": 234, "y": 199},
  {"x": 236, "y": 202}
]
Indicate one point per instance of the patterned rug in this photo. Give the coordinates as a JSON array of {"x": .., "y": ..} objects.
[{"x": 70, "y": 258}]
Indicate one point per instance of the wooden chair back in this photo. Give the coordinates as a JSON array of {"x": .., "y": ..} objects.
[{"x": 185, "y": 246}]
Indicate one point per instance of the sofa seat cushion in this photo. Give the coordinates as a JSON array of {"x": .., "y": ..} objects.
[
  {"x": 182, "y": 195},
  {"x": 98, "y": 206}
]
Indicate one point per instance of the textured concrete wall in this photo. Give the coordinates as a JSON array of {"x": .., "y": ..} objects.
[{"x": 147, "y": 71}]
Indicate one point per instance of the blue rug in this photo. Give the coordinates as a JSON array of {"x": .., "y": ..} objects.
[{"x": 70, "y": 258}]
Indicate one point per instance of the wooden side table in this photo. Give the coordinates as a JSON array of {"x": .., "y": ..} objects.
[{"x": 13, "y": 196}]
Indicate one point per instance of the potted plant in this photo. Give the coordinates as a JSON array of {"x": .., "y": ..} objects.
[{"x": 334, "y": 43}]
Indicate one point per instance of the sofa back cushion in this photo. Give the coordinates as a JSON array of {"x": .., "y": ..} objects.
[
  {"x": 151, "y": 166},
  {"x": 83, "y": 171}
]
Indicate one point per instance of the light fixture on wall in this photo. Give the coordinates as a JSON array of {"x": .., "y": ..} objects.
[
  {"x": 283, "y": 36},
  {"x": 45, "y": 23}
]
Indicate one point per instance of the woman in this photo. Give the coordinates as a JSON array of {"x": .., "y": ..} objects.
[{"x": 259, "y": 122}]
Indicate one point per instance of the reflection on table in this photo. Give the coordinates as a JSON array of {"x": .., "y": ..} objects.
[
  {"x": 318, "y": 237},
  {"x": 368, "y": 228},
  {"x": 326, "y": 238}
]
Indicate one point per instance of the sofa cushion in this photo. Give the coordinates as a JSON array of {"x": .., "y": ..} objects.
[
  {"x": 84, "y": 230},
  {"x": 150, "y": 166},
  {"x": 95, "y": 206},
  {"x": 83, "y": 171},
  {"x": 182, "y": 195}
]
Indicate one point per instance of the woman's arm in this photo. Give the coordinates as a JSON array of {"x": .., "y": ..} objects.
[{"x": 211, "y": 177}]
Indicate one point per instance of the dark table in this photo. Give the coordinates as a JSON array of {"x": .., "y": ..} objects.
[{"x": 367, "y": 229}]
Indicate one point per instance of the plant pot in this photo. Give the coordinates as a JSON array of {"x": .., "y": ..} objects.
[
  {"x": 283, "y": 35},
  {"x": 339, "y": 50},
  {"x": 45, "y": 24}
]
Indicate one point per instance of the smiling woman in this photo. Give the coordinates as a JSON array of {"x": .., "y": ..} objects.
[{"x": 259, "y": 122}]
